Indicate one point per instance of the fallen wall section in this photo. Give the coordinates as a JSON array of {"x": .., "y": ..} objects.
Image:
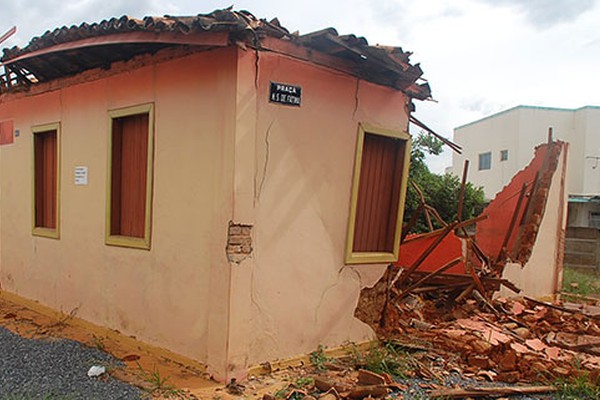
[{"x": 518, "y": 245}]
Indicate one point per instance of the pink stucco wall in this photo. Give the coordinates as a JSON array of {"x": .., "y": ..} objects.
[
  {"x": 166, "y": 295},
  {"x": 222, "y": 153},
  {"x": 299, "y": 293}
]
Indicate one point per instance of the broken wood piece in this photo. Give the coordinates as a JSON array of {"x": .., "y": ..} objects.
[
  {"x": 457, "y": 148},
  {"x": 465, "y": 293},
  {"x": 479, "y": 253},
  {"x": 437, "y": 215},
  {"x": 438, "y": 271},
  {"x": 491, "y": 391},
  {"x": 461, "y": 194},
  {"x": 382, "y": 314},
  {"x": 428, "y": 219},
  {"x": 481, "y": 297},
  {"x": 578, "y": 296},
  {"x": 441, "y": 287},
  {"x": 510, "y": 285},
  {"x": 559, "y": 308},
  {"x": 423, "y": 203},
  {"x": 411, "y": 223}
]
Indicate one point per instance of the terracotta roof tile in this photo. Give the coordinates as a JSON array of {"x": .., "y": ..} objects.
[{"x": 66, "y": 51}]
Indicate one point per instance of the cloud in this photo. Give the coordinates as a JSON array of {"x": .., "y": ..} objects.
[
  {"x": 479, "y": 106},
  {"x": 544, "y": 14},
  {"x": 50, "y": 14},
  {"x": 404, "y": 16}
]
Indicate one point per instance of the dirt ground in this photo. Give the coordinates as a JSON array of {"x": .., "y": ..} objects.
[
  {"x": 161, "y": 373},
  {"x": 148, "y": 367}
]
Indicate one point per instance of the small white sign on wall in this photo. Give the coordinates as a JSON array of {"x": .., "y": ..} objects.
[{"x": 81, "y": 175}]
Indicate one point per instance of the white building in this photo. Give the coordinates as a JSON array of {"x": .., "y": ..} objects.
[{"x": 499, "y": 145}]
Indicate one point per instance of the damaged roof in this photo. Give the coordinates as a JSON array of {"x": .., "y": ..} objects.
[{"x": 68, "y": 51}]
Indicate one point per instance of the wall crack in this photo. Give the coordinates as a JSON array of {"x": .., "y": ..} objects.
[{"x": 266, "y": 163}]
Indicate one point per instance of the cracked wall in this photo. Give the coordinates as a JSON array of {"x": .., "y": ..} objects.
[{"x": 297, "y": 293}]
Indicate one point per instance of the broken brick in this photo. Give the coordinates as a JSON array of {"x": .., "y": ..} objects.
[
  {"x": 508, "y": 361},
  {"x": 366, "y": 378}
]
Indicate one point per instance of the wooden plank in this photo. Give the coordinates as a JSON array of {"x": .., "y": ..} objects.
[
  {"x": 438, "y": 271},
  {"x": 461, "y": 195},
  {"x": 490, "y": 391}
]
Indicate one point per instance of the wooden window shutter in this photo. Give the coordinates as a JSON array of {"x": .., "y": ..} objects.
[
  {"x": 130, "y": 140},
  {"x": 46, "y": 179},
  {"x": 378, "y": 196}
]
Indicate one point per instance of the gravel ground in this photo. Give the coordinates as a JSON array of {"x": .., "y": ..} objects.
[{"x": 32, "y": 369}]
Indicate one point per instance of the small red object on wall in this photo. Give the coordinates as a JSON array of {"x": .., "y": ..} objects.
[{"x": 6, "y": 132}]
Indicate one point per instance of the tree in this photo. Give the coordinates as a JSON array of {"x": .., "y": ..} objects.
[{"x": 440, "y": 191}]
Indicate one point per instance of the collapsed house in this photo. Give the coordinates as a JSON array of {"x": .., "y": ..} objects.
[
  {"x": 517, "y": 247},
  {"x": 212, "y": 184},
  {"x": 218, "y": 186}
]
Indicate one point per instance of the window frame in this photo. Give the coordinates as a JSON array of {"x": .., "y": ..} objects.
[
  {"x": 52, "y": 233},
  {"x": 504, "y": 155},
  {"x": 489, "y": 167},
  {"x": 594, "y": 222},
  {"x": 120, "y": 240},
  {"x": 370, "y": 257}
]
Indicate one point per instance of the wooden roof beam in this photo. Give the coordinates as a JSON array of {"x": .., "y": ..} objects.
[{"x": 204, "y": 39}]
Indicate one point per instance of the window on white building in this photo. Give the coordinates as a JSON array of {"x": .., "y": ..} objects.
[
  {"x": 485, "y": 161},
  {"x": 503, "y": 155},
  {"x": 595, "y": 219}
]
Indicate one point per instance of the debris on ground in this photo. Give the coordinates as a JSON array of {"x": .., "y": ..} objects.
[{"x": 96, "y": 370}]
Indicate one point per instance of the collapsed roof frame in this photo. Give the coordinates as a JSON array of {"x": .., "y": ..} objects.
[{"x": 68, "y": 51}]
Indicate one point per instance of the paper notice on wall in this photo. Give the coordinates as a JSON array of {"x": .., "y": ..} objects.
[{"x": 81, "y": 175}]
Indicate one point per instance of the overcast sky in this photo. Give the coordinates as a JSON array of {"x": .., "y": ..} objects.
[{"x": 479, "y": 56}]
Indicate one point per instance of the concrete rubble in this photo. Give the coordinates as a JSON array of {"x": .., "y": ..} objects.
[{"x": 452, "y": 308}]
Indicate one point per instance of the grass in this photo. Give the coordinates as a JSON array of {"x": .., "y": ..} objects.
[
  {"x": 581, "y": 282},
  {"x": 318, "y": 358},
  {"x": 385, "y": 358},
  {"x": 159, "y": 385},
  {"x": 577, "y": 388}
]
